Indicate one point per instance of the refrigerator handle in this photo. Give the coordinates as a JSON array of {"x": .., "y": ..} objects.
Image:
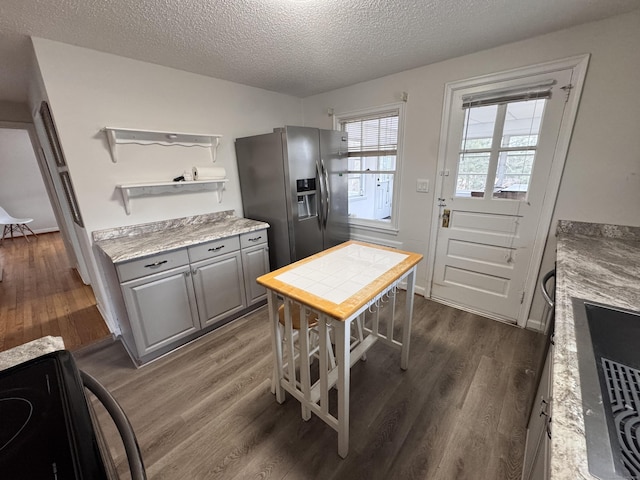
[
  {"x": 327, "y": 194},
  {"x": 319, "y": 216}
]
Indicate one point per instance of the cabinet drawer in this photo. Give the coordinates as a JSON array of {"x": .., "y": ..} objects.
[
  {"x": 213, "y": 248},
  {"x": 253, "y": 238},
  {"x": 154, "y": 264}
]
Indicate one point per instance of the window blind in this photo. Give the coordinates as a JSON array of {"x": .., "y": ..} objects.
[
  {"x": 372, "y": 136},
  {"x": 516, "y": 94}
]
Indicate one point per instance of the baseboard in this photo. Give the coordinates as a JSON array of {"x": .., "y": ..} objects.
[
  {"x": 47, "y": 230},
  {"x": 535, "y": 325}
]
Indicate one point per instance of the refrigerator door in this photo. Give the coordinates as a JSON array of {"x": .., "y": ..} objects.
[
  {"x": 264, "y": 183},
  {"x": 333, "y": 166},
  {"x": 302, "y": 149}
]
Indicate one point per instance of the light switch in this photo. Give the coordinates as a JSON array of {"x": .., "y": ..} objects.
[{"x": 422, "y": 185}]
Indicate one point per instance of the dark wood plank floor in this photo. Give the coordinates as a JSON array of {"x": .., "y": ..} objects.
[
  {"x": 206, "y": 411},
  {"x": 41, "y": 295}
]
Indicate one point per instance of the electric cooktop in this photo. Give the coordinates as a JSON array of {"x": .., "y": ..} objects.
[{"x": 46, "y": 430}]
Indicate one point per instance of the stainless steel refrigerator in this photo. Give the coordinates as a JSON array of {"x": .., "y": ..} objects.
[{"x": 296, "y": 180}]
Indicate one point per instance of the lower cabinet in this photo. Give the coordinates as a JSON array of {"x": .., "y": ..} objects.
[
  {"x": 537, "y": 449},
  {"x": 171, "y": 296},
  {"x": 161, "y": 308},
  {"x": 255, "y": 262},
  {"x": 220, "y": 289}
]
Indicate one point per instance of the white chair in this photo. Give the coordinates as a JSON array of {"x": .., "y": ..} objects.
[
  {"x": 12, "y": 224},
  {"x": 296, "y": 368},
  {"x": 314, "y": 341}
]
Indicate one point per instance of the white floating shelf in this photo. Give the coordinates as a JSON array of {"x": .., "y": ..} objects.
[
  {"x": 117, "y": 136},
  {"x": 131, "y": 190}
]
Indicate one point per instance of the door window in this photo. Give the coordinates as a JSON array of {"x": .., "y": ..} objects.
[{"x": 498, "y": 148}]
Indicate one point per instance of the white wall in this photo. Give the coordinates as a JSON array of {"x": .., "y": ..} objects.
[
  {"x": 22, "y": 191},
  {"x": 601, "y": 181},
  {"x": 88, "y": 90}
]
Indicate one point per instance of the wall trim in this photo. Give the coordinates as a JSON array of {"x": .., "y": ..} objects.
[{"x": 376, "y": 241}]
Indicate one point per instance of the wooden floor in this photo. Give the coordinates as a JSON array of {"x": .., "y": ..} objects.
[
  {"x": 206, "y": 411},
  {"x": 41, "y": 295}
]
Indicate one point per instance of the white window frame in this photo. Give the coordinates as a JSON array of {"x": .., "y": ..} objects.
[{"x": 376, "y": 225}]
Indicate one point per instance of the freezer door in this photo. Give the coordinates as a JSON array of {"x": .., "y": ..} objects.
[
  {"x": 264, "y": 181},
  {"x": 333, "y": 166},
  {"x": 303, "y": 154}
]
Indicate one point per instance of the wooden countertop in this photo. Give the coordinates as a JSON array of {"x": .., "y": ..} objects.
[{"x": 352, "y": 273}]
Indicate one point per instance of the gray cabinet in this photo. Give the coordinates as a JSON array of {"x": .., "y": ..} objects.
[
  {"x": 170, "y": 296},
  {"x": 255, "y": 262},
  {"x": 537, "y": 450},
  {"x": 219, "y": 286},
  {"x": 161, "y": 308}
]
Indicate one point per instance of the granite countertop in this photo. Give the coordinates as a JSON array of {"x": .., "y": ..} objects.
[
  {"x": 137, "y": 241},
  {"x": 29, "y": 350},
  {"x": 595, "y": 262}
]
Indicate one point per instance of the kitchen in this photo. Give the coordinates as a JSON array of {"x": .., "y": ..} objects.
[{"x": 89, "y": 90}]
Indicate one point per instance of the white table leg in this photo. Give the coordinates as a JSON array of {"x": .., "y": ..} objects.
[
  {"x": 305, "y": 374},
  {"x": 408, "y": 316},
  {"x": 324, "y": 380},
  {"x": 343, "y": 343},
  {"x": 272, "y": 300}
]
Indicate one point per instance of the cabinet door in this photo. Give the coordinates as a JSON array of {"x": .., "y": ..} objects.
[
  {"x": 219, "y": 287},
  {"x": 536, "y": 454},
  {"x": 255, "y": 262},
  {"x": 541, "y": 462},
  {"x": 160, "y": 308}
]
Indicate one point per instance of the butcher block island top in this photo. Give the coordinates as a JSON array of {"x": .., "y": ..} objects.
[{"x": 342, "y": 279}]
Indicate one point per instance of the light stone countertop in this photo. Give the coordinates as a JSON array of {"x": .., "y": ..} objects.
[
  {"x": 30, "y": 350},
  {"x": 137, "y": 241},
  {"x": 600, "y": 263}
]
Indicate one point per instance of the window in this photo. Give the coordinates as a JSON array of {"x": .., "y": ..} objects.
[
  {"x": 499, "y": 135},
  {"x": 373, "y": 165}
]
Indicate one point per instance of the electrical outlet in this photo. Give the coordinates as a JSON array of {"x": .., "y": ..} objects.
[{"x": 422, "y": 185}]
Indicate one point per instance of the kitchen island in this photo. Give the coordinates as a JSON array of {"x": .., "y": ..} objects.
[
  {"x": 335, "y": 288},
  {"x": 174, "y": 280},
  {"x": 599, "y": 263}
]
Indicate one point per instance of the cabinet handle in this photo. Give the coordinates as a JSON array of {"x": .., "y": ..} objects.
[
  {"x": 255, "y": 239},
  {"x": 215, "y": 249},
  {"x": 194, "y": 271},
  {"x": 157, "y": 264},
  {"x": 187, "y": 273}
]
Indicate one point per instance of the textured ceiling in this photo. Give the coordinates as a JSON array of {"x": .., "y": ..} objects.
[{"x": 298, "y": 47}]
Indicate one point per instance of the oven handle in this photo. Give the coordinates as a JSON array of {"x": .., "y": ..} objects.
[
  {"x": 121, "y": 421},
  {"x": 543, "y": 287}
]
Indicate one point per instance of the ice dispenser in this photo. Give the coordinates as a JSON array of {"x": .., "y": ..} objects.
[{"x": 306, "y": 191}]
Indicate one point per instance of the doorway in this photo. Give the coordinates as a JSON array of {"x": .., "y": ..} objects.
[
  {"x": 505, "y": 139},
  {"x": 42, "y": 291}
]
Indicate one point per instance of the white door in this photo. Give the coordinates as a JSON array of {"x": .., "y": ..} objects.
[
  {"x": 500, "y": 148},
  {"x": 383, "y": 197}
]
